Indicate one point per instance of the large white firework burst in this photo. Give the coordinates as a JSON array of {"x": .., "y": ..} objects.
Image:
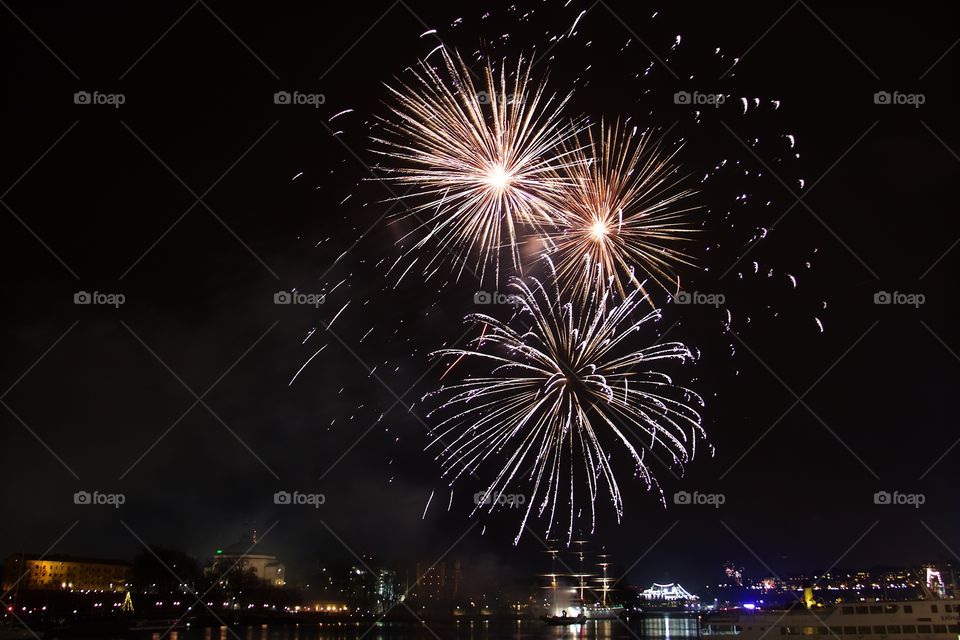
[
  {"x": 563, "y": 390},
  {"x": 624, "y": 212},
  {"x": 480, "y": 161}
]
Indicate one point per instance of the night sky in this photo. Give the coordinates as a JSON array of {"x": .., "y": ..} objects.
[{"x": 199, "y": 198}]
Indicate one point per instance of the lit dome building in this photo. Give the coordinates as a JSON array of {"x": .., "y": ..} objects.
[{"x": 243, "y": 555}]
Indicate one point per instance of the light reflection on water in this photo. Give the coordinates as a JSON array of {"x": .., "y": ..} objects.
[{"x": 659, "y": 628}]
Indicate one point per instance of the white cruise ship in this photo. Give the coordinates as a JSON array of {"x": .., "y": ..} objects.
[{"x": 907, "y": 620}]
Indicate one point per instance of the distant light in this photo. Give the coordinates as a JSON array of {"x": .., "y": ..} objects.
[
  {"x": 750, "y": 606},
  {"x": 219, "y": 551}
]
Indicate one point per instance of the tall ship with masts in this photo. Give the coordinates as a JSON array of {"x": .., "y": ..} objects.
[{"x": 581, "y": 586}]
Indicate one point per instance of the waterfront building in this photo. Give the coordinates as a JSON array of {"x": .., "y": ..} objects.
[
  {"x": 68, "y": 573},
  {"x": 266, "y": 566},
  {"x": 386, "y": 588},
  {"x": 437, "y": 582}
]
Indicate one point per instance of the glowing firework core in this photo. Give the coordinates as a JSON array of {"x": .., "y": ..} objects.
[
  {"x": 498, "y": 178},
  {"x": 599, "y": 230}
]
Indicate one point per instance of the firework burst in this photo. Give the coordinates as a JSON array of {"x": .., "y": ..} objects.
[
  {"x": 480, "y": 165},
  {"x": 623, "y": 213},
  {"x": 557, "y": 400}
]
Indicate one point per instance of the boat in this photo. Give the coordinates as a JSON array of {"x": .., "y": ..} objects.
[
  {"x": 603, "y": 612},
  {"x": 603, "y": 609},
  {"x": 669, "y": 599},
  {"x": 564, "y": 619},
  {"x": 926, "y": 619},
  {"x": 582, "y": 583}
]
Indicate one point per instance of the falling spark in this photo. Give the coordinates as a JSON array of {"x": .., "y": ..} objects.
[
  {"x": 429, "y": 500},
  {"x": 338, "y": 315},
  {"x": 577, "y": 21},
  {"x": 305, "y": 365}
]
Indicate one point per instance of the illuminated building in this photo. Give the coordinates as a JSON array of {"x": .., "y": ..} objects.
[
  {"x": 361, "y": 584},
  {"x": 934, "y": 580},
  {"x": 265, "y": 566},
  {"x": 437, "y": 582},
  {"x": 431, "y": 581},
  {"x": 28, "y": 572},
  {"x": 386, "y": 588}
]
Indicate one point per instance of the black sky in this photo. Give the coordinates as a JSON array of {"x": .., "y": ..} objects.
[{"x": 104, "y": 199}]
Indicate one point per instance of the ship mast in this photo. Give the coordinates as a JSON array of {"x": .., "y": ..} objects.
[
  {"x": 553, "y": 577},
  {"x": 580, "y": 574},
  {"x": 605, "y": 580}
]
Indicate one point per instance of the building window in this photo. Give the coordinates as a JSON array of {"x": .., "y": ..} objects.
[{"x": 923, "y": 628}]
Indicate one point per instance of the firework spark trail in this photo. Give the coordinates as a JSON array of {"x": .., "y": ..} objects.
[
  {"x": 558, "y": 396},
  {"x": 486, "y": 162},
  {"x": 623, "y": 211}
]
